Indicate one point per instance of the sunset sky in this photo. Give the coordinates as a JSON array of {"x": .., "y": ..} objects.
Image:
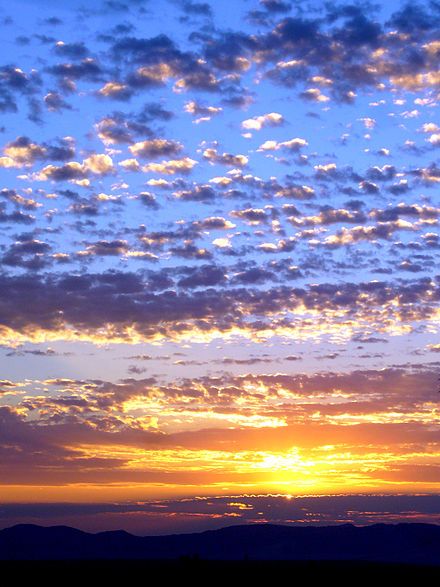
[{"x": 219, "y": 247}]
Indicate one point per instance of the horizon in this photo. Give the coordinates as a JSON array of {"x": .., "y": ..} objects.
[
  {"x": 219, "y": 281},
  {"x": 227, "y": 527},
  {"x": 413, "y": 546}
]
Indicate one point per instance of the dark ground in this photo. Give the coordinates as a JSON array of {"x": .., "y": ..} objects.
[{"x": 209, "y": 572}]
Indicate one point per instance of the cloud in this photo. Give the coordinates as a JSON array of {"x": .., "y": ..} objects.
[
  {"x": 204, "y": 113},
  {"x": 91, "y": 431},
  {"x": 107, "y": 248},
  {"x": 115, "y": 90},
  {"x": 88, "y": 69},
  {"x": 275, "y": 5},
  {"x": 329, "y": 216},
  {"x": 171, "y": 167},
  {"x": 15, "y": 82},
  {"x": 208, "y": 513},
  {"x": 297, "y": 192},
  {"x": 93, "y": 304},
  {"x": 294, "y": 145},
  {"x": 55, "y": 102},
  {"x": 72, "y": 50},
  {"x": 382, "y": 230},
  {"x": 153, "y": 148},
  {"x": 314, "y": 95},
  {"x": 22, "y": 152},
  {"x": 213, "y": 156},
  {"x": 204, "y": 276},
  {"x": 16, "y": 217},
  {"x": 215, "y": 223},
  {"x": 221, "y": 238},
  {"x": 157, "y": 60},
  {"x": 434, "y": 139},
  {"x": 348, "y": 48},
  {"x": 259, "y": 122},
  {"x": 27, "y": 253},
  {"x": 97, "y": 164},
  {"x": 199, "y": 193},
  {"x": 196, "y": 8},
  {"x": 252, "y": 215}
]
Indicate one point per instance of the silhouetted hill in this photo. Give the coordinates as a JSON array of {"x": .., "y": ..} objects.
[{"x": 399, "y": 543}]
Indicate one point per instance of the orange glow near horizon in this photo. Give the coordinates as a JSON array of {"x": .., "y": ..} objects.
[
  {"x": 176, "y": 473},
  {"x": 319, "y": 434}
]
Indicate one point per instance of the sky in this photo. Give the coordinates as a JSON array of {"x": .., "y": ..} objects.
[{"x": 219, "y": 246}]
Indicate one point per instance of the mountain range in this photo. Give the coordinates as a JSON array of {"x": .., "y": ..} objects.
[{"x": 380, "y": 543}]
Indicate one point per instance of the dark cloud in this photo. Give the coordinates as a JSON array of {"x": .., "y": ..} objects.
[
  {"x": 80, "y": 208},
  {"x": 190, "y": 251},
  {"x": 196, "y": 8},
  {"x": 358, "y": 30},
  {"x": 415, "y": 18},
  {"x": 148, "y": 200},
  {"x": 108, "y": 248},
  {"x": 158, "y": 59},
  {"x": 71, "y": 50},
  {"x": 14, "y": 83},
  {"x": 134, "y": 370},
  {"x": 53, "y": 21},
  {"x": 117, "y": 128},
  {"x": 15, "y": 217},
  {"x": 399, "y": 188},
  {"x": 196, "y": 515},
  {"x": 36, "y": 353},
  {"x": 55, "y": 102},
  {"x": 154, "y": 148},
  {"x": 204, "y": 276},
  {"x": 254, "y": 275},
  {"x": 87, "y": 69},
  {"x": 369, "y": 187},
  {"x": 385, "y": 173},
  {"x": 335, "y": 48},
  {"x": 199, "y": 193},
  {"x": 276, "y": 5},
  {"x": 393, "y": 213},
  {"x": 251, "y": 214},
  {"x": 154, "y": 111},
  {"x": 92, "y": 301}
]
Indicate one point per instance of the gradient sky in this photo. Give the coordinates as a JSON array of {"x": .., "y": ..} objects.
[{"x": 219, "y": 246}]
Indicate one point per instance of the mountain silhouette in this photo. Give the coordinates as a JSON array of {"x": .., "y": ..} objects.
[{"x": 380, "y": 543}]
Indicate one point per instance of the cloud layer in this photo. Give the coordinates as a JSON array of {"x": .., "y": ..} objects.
[{"x": 219, "y": 257}]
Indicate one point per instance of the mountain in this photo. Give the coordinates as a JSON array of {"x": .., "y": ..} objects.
[{"x": 385, "y": 543}]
